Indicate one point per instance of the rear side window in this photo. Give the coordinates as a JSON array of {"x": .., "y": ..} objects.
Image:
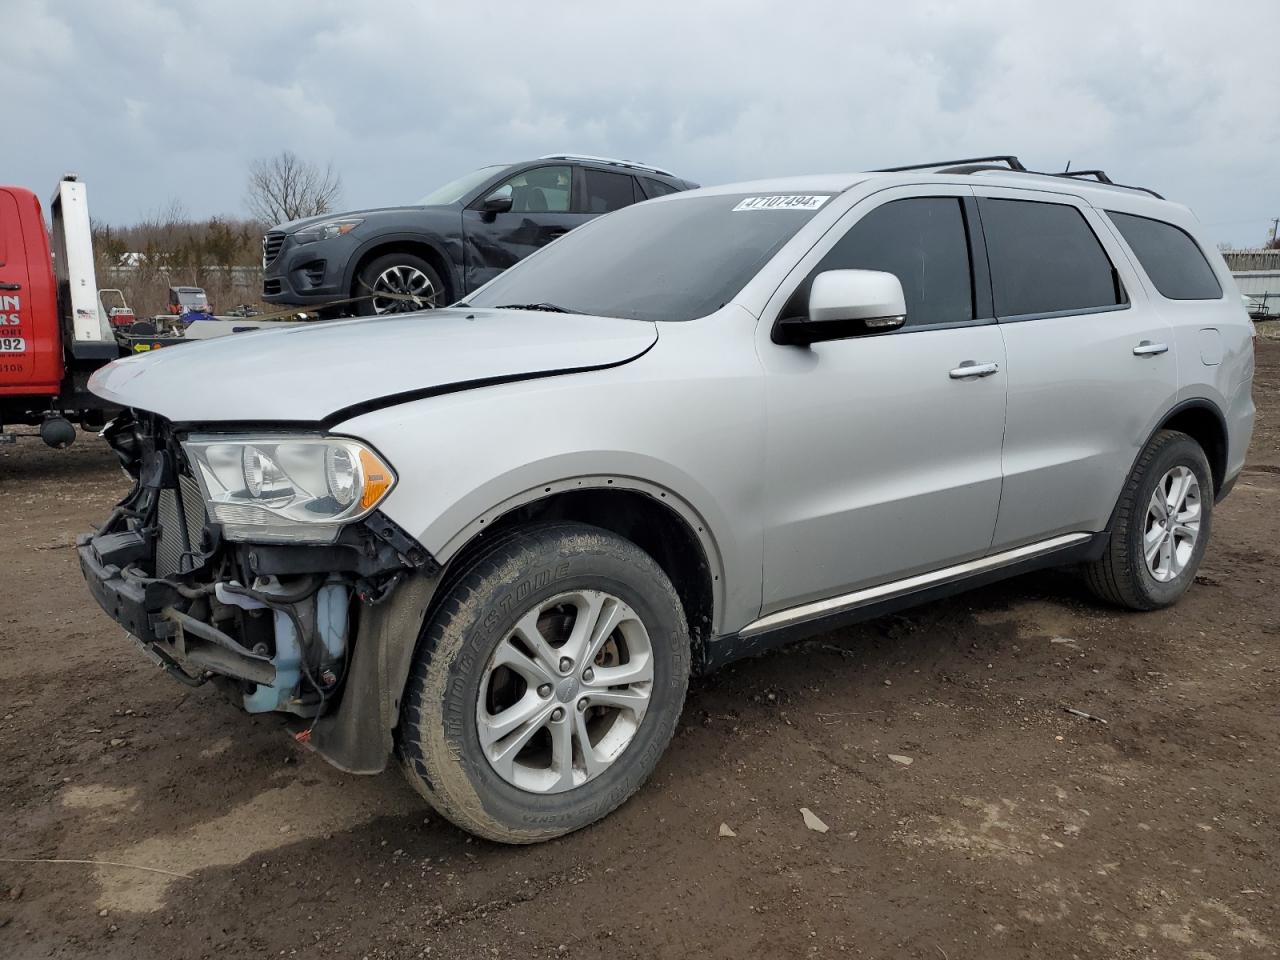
[
  {"x": 1045, "y": 259},
  {"x": 607, "y": 191},
  {"x": 922, "y": 241},
  {"x": 656, "y": 188},
  {"x": 1173, "y": 261}
]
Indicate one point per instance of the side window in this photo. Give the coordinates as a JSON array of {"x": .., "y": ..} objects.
[
  {"x": 607, "y": 191},
  {"x": 656, "y": 188},
  {"x": 1173, "y": 261},
  {"x": 923, "y": 242},
  {"x": 1045, "y": 259},
  {"x": 540, "y": 190}
]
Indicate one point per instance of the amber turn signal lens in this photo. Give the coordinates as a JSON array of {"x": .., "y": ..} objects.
[{"x": 377, "y": 479}]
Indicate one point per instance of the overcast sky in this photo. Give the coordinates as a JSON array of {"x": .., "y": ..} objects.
[{"x": 155, "y": 101}]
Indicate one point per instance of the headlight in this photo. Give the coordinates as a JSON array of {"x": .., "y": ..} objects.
[
  {"x": 327, "y": 230},
  {"x": 287, "y": 489}
]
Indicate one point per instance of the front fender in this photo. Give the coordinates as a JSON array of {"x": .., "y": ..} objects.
[
  {"x": 691, "y": 437},
  {"x": 446, "y": 244},
  {"x": 697, "y": 522}
]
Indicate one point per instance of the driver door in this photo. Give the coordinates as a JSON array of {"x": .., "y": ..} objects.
[
  {"x": 542, "y": 208},
  {"x": 884, "y": 449}
]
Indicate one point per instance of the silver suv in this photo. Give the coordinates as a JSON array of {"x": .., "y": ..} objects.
[{"x": 496, "y": 540}]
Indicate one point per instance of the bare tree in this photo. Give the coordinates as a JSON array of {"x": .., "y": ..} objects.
[{"x": 286, "y": 187}]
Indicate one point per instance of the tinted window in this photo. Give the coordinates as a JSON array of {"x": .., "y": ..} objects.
[
  {"x": 1171, "y": 258},
  {"x": 652, "y": 261},
  {"x": 1045, "y": 259},
  {"x": 607, "y": 191},
  {"x": 656, "y": 188},
  {"x": 540, "y": 190},
  {"x": 923, "y": 242}
]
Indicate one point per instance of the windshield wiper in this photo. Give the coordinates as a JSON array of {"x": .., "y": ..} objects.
[{"x": 546, "y": 307}]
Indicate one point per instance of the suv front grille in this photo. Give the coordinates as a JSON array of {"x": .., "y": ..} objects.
[
  {"x": 271, "y": 245},
  {"x": 177, "y": 540}
]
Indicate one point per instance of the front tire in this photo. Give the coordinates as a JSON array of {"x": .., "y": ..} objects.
[
  {"x": 1161, "y": 528},
  {"x": 397, "y": 283},
  {"x": 546, "y": 685}
]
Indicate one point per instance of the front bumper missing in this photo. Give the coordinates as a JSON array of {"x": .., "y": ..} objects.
[
  {"x": 355, "y": 730},
  {"x": 275, "y": 624},
  {"x": 171, "y": 638}
]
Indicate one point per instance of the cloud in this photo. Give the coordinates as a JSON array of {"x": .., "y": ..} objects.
[{"x": 151, "y": 100}]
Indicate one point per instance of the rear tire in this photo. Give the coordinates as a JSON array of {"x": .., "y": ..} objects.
[
  {"x": 546, "y": 685},
  {"x": 1151, "y": 558},
  {"x": 384, "y": 283}
]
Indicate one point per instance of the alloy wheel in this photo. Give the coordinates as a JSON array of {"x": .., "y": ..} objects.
[
  {"x": 403, "y": 289},
  {"x": 565, "y": 692},
  {"x": 1173, "y": 524}
]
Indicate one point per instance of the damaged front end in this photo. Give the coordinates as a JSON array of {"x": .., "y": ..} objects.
[{"x": 255, "y": 560}]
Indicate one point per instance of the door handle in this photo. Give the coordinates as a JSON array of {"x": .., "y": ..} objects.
[
  {"x": 971, "y": 369},
  {"x": 10, "y": 286},
  {"x": 1148, "y": 349}
]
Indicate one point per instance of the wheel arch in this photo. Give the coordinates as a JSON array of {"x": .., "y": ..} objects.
[
  {"x": 654, "y": 518},
  {"x": 1203, "y": 421},
  {"x": 416, "y": 246}
]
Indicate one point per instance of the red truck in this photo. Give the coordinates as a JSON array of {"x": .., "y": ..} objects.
[{"x": 53, "y": 330}]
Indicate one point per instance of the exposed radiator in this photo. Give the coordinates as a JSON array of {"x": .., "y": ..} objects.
[{"x": 176, "y": 541}]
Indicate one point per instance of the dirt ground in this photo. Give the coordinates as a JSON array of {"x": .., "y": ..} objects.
[{"x": 969, "y": 815}]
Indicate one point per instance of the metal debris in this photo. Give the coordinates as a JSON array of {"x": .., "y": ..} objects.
[{"x": 1084, "y": 716}]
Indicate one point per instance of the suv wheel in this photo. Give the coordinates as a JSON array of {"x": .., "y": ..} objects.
[
  {"x": 547, "y": 684},
  {"x": 1161, "y": 528},
  {"x": 397, "y": 283}
]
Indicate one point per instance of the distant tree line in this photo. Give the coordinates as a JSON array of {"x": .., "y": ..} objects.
[
  {"x": 170, "y": 249},
  {"x": 221, "y": 254}
]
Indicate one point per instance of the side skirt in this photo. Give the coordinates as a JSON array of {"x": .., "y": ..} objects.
[{"x": 810, "y": 619}]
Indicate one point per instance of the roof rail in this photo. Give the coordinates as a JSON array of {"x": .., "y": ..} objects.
[
  {"x": 1101, "y": 177},
  {"x": 631, "y": 164},
  {"x": 1013, "y": 163}
]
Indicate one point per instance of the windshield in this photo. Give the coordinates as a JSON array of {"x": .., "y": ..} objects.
[
  {"x": 455, "y": 190},
  {"x": 675, "y": 259}
]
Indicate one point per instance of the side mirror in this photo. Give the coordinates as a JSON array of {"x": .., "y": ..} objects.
[
  {"x": 496, "y": 204},
  {"x": 846, "y": 303}
]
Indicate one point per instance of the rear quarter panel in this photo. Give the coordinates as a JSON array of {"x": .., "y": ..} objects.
[{"x": 1213, "y": 339}]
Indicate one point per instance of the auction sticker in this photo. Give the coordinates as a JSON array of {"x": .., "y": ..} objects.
[{"x": 789, "y": 201}]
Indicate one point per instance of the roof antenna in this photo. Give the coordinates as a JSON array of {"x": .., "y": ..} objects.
[{"x": 1068, "y": 170}]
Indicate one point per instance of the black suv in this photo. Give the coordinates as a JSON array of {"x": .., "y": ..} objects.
[{"x": 436, "y": 251}]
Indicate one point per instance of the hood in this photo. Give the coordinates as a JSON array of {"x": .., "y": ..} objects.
[
  {"x": 293, "y": 226},
  {"x": 330, "y": 371}
]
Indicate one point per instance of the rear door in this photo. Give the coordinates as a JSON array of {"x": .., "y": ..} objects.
[
  {"x": 1090, "y": 362},
  {"x": 16, "y": 345},
  {"x": 542, "y": 208}
]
